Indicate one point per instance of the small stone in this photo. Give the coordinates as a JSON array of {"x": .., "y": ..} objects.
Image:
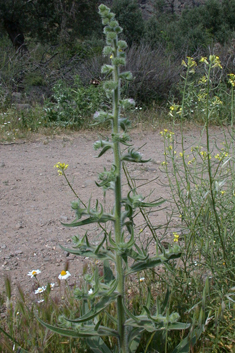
[
  {"x": 63, "y": 218},
  {"x": 19, "y": 226}
]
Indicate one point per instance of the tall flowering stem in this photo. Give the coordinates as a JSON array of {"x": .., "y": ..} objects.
[
  {"x": 118, "y": 199},
  {"x": 118, "y": 246}
]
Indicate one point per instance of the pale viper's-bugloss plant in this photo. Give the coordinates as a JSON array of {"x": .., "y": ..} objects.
[
  {"x": 201, "y": 178},
  {"x": 106, "y": 311}
]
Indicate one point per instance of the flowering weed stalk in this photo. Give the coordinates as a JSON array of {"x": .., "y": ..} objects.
[{"x": 118, "y": 250}]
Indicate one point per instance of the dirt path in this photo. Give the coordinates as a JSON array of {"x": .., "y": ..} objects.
[{"x": 34, "y": 200}]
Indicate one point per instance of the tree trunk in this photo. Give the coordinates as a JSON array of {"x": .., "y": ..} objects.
[{"x": 16, "y": 35}]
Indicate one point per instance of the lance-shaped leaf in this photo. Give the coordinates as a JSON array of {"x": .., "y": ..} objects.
[
  {"x": 97, "y": 345},
  {"x": 106, "y": 69},
  {"x": 188, "y": 342},
  {"x": 122, "y": 138},
  {"x": 96, "y": 215},
  {"x": 110, "y": 85},
  {"x": 93, "y": 219},
  {"x": 146, "y": 323},
  {"x": 135, "y": 334},
  {"x": 128, "y": 213},
  {"x": 78, "y": 209},
  {"x": 105, "y": 149},
  {"x": 124, "y": 123},
  {"x": 102, "y": 254},
  {"x": 107, "y": 177},
  {"x": 105, "y": 145},
  {"x": 96, "y": 309},
  {"x": 80, "y": 331},
  {"x": 136, "y": 200},
  {"x": 102, "y": 143},
  {"x": 153, "y": 261},
  {"x": 136, "y": 256},
  {"x": 108, "y": 273},
  {"x": 134, "y": 156},
  {"x": 134, "y": 337},
  {"x": 123, "y": 246},
  {"x": 82, "y": 247},
  {"x": 127, "y": 76}
]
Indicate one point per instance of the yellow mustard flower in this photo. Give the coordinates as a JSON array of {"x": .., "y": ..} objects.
[
  {"x": 176, "y": 237},
  {"x": 204, "y": 60},
  {"x": 61, "y": 167},
  {"x": 202, "y": 80},
  {"x": 231, "y": 79},
  {"x": 215, "y": 61}
]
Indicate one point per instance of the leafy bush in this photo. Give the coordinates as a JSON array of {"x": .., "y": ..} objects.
[
  {"x": 130, "y": 18},
  {"x": 72, "y": 107}
]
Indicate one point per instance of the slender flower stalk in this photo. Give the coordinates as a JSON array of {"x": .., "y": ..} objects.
[{"x": 117, "y": 246}]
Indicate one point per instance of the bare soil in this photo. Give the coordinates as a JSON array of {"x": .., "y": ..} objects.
[{"x": 35, "y": 200}]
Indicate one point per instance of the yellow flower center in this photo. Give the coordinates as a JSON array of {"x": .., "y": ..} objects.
[
  {"x": 34, "y": 273},
  {"x": 63, "y": 273}
]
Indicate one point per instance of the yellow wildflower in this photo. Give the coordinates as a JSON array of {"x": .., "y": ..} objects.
[
  {"x": 61, "y": 167},
  {"x": 192, "y": 160},
  {"x": 215, "y": 61},
  {"x": 231, "y": 79},
  {"x": 204, "y": 60},
  {"x": 202, "y": 80},
  {"x": 176, "y": 237}
]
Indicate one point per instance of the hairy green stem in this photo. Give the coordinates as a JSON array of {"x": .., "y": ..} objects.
[{"x": 118, "y": 199}]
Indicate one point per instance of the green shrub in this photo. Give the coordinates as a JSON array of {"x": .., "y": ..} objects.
[
  {"x": 130, "y": 18},
  {"x": 72, "y": 107}
]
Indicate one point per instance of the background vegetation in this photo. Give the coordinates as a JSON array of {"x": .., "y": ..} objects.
[
  {"x": 48, "y": 47},
  {"x": 50, "y": 78}
]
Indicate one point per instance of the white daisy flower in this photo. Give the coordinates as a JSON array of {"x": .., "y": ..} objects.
[
  {"x": 142, "y": 279},
  {"x": 34, "y": 273},
  {"x": 64, "y": 275},
  {"x": 90, "y": 291},
  {"x": 40, "y": 290},
  {"x": 52, "y": 285},
  {"x": 40, "y": 301}
]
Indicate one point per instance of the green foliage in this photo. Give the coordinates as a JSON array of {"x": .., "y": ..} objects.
[
  {"x": 118, "y": 248},
  {"x": 73, "y": 106},
  {"x": 194, "y": 28},
  {"x": 201, "y": 178},
  {"x": 130, "y": 18},
  {"x": 52, "y": 21}
]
